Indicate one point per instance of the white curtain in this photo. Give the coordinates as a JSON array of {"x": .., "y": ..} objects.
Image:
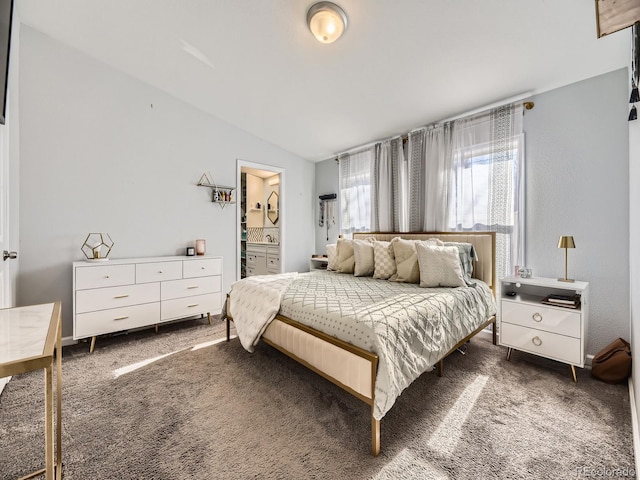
[
  {"x": 355, "y": 190},
  {"x": 430, "y": 167},
  {"x": 486, "y": 185},
  {"x": 388, "y": 193}
]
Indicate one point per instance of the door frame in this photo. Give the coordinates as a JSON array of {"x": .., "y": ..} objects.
[{"x": 276, "y": 171}]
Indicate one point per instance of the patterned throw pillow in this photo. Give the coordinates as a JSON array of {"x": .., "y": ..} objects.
[
  {"x": 346, "y": 261},
  {"x": 439, "y": 266},
  {"x": 467, "y": 254},
  {"x": 332, "y": 256},
  {"x": 363, "y": 254},
  {"x": 384, "y": 261},
  {"x": 407, "y": 267}
]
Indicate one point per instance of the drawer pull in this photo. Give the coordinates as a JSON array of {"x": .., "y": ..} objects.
[
  {"x": 536, "y": 317},
  {"x": 192, "y": 287},
  {"x": 193, "y": 305},
  {"x": 122, "y": 318},
  {"x": 536, "y": 341},
  {"x": 121, "y": 296}
]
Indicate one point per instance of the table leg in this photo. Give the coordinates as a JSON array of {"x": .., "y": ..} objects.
[
  {"x": 209, "y": 317},
  {"x": 48, "y": 419},
  {"x": 93, "y": 344},
  {"x": 573, "y": 371},
  {"x": 508, "y": 354},
  {"x": 59, "y": 404}
]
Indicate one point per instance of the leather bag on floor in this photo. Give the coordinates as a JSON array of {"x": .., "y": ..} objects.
[{"x": 612, "y": 364}]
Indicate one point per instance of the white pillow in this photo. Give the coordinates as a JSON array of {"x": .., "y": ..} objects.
[
  {"x": 384, "y": 261},
  {"x": 364, "y": 259},
  {"x": 345, "y": 262},
  {"x": 407, "y": 267},
  {"x": 332, "y": 256},
  {"x": 439, "y": 266}
]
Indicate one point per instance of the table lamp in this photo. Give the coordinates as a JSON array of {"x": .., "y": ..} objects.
[{"x": 566, "y": 242}]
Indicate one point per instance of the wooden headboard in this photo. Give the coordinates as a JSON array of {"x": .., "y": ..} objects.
[{"x": 484, "y": 243}]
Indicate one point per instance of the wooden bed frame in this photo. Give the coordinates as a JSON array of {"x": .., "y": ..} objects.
[{"x": 352, "y": 368}]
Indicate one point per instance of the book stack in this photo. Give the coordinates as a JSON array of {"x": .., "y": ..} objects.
[{"x": 567, "y": 301}]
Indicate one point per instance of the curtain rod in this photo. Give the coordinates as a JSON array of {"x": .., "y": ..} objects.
[{"x": 527, "y": 106}]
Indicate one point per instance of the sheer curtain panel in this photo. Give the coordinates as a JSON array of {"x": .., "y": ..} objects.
[
  {"x": 388, "y": 191},
  {"x": 356, "y": 174}
]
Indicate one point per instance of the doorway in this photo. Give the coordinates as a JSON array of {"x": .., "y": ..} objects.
[{"x": 260, "y": 219}]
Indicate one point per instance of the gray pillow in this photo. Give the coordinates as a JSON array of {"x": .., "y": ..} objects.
[{"x": 467, "y": 254}]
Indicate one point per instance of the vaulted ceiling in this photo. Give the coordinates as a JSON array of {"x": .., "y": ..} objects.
[{"x": 400, "y": 64}]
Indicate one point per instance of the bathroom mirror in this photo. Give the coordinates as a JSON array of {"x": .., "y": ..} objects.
[{"x": 272, "y": 208}]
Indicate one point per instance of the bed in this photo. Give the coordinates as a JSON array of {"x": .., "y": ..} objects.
[{"x": 370, "y": 337}]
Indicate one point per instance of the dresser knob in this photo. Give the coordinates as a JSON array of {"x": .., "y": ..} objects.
[
  {"x": 536, "y": 341},
  {"x": 159, "y": 271},
  {"x": 106, "y": 276},
  {"x": 202, "y": 268},
  {"x": 537, "y": 317}
]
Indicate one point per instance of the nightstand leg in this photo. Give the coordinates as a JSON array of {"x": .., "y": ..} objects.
[
  {"x": 209, "y": 317},
  {"x": 573, "y": 371},
  {"x": 156, "y": 328},
  {"x": 508, "y": 354},
  {"x": 93, "y": 344}
]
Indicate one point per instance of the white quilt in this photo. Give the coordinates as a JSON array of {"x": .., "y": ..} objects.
[{"x": 255, "y": 303}]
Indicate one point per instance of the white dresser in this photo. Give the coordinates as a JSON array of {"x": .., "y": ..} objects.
[
  {"x": 527, "y": 324},
  {"x": 130, "y": 293}
]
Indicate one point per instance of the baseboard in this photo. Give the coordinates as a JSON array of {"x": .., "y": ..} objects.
[{"x": 634, "y": 424}]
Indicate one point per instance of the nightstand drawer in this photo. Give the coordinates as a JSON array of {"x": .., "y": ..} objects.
[
  {"x": 116, "y": 297},
  {"x": 550, "y": 345},
  {"x": 104, "y": 276},
  {"x": 158, "y": 271},
  {"x": 559, "y": 320}
]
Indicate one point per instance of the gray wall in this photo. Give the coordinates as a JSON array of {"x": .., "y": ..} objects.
[
  {"x": 634, "y": 256},
  {"x": 576, "y": 184},
  {"x": 103, "y": 152},
  {"x": 326, "y": 182}
]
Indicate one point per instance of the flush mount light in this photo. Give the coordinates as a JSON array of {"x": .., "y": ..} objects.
[{"x": 327, "y": 21}]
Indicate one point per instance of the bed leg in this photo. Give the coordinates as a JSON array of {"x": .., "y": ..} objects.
[
  {"x": 440, "y": 368},
  {"x": 375, "y": 436},
  {"x": 494, "y": 331}
]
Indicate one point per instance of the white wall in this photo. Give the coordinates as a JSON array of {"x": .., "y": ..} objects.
[
  {"x": 634, "y": 255},
  {"x": 577, "y": 184},
  {"x": 326, "y": 183},
  {"x": 103, "y": 152}
]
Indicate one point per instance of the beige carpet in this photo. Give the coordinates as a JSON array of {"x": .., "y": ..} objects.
[{"x": 220, "y": 412}]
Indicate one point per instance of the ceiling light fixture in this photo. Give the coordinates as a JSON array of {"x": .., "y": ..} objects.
[{"x": 327, "y": 21}]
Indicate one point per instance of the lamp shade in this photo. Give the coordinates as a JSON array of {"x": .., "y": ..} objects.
[
  {"x": 327, "y": 21},
  {"x": 566, "y": 241}
]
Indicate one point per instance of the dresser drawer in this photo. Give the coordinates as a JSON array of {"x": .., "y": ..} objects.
[
  {"x": 554, "y": 346},
  {"x": 115, "y": 297},
  {"x": 104, "y": 276},
  {"x": 190, "y": 287},
  {"x": 202, "y": 267},
  {"x": 559, "y": 320},
  {"x": 186, "y": 307},
  {"x": 158, "y": 271},
  {"x": 115, "y": 319}
]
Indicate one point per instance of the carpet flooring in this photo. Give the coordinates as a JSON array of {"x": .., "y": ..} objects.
[{"x": 147, "y": 406}]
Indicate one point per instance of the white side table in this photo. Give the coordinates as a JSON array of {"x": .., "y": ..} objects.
[
  {"x": 528, "y": 325},
  {"x": 318, "y": 263}
]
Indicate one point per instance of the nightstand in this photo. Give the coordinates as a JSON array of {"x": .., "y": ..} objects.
[
  {"x": 318, "y": 263},
  {"x": 551, "y": 331}
]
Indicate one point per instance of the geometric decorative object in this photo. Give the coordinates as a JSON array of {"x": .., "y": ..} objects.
[
  {"x": 566, "y": 242},
  {"x": 327, "y": 21},
  {"x": 97, "y": 247}
]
